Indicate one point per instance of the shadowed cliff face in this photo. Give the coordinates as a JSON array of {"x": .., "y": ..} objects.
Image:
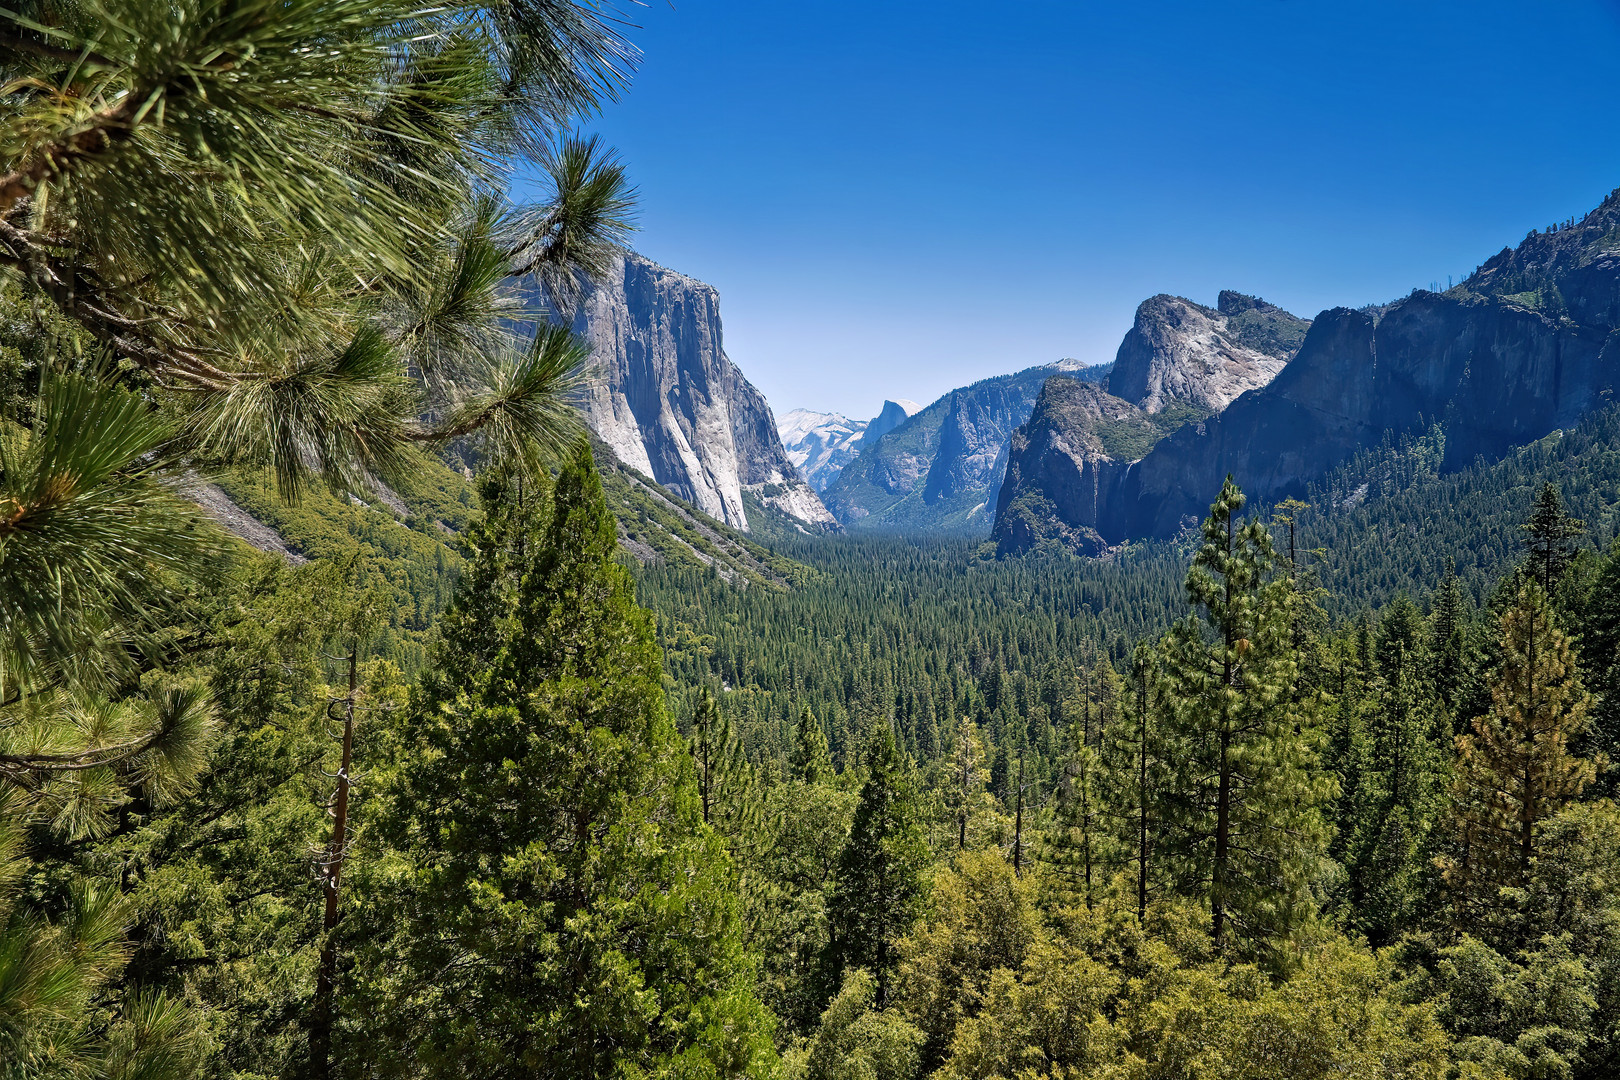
[
  {"x": 1494, "y": 374},
  {"x": 1180, "y": 363},
  {"x": 1056, "y": 464},
  {"x": 672, "y": 406},
  {"x": 1526, "y": 345}
]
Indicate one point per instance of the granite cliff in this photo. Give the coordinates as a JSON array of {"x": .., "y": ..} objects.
[
  {"x": 1526, "y": 345},
  {"x": 1181, "y": 351},
  {"x": 891, "y": 416},
  {"x": 672, "y": 406}
]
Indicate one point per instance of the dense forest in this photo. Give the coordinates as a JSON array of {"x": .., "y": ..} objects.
[{"x": 502, "y": 763}]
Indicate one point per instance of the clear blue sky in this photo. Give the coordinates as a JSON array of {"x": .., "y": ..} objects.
[{"x": 898, "y": 198}]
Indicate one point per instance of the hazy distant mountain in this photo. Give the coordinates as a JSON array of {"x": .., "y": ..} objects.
[
  {"x": 673, "y": 407},
  {"x": 891, "y": 416},
  {"x": 937, "y": 468},
  {"x": 820, "y": 444}
]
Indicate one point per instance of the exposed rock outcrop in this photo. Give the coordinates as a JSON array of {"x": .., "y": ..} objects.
[
  {"x": 672, "y": 406},
  {"x": 1179, "y": 364},
  {"x": 237, "y": 521},
  {"x": 1181, "y": 351},
  {"x": 1526, "y": 345},
  {"x": 1054, "y": 460}
]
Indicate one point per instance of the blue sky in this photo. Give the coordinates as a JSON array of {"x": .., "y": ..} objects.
[{"x": 897, "y": 199}]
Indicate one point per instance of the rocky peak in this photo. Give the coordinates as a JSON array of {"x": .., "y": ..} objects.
[
  {"x": 891, "y": 416},
  {"x": 1528, "y": 344},
  {"x": 1076, "y": 431},
  {"x": 1180, "y": 351},
  {"x": 1567, "y": 270}
]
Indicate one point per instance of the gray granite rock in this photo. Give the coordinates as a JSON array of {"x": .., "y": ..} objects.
[{"x": 671, "y": 405}]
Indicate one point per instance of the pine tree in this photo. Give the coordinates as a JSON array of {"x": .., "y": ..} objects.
[
  {"x": 880, "y": 885},
  {"x": 1448, "y": 639},
  {"x": 1600, "y": 659},
  {"x": 1078, "y": 842},
  {"x": 1549, "y": 531},
  {"x": 723, "y": 774},
  {"x": 1515, "y": 769},
  {"x": 965, "y": 796},
  {"x": 560, "y": 869},
  {"x": 810, "y": 762},
  {"x": 1399, "y": 778},
  {"x": 812, "y": 815},
  {"x": 1248, "y": 799},
  {"x": 1137, "y": 775},
  {"x": 359, "y": 138}
]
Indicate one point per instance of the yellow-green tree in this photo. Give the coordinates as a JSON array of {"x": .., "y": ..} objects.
[{"x": 1515, "y": 768}]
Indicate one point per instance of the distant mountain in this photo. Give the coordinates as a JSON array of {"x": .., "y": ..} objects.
[
  {"x": 1528, "y": 344},
  {"x": 672, "y": 406},
  {"x": 820, "y": 444},
  {"x": 937, "y": 469},
  {"x": 891, "y": 416}
]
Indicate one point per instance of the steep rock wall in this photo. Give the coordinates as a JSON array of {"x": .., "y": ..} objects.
[{"x": 671, "y": 405}]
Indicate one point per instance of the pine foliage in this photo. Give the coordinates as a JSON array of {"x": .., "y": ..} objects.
[
  {"x": 880, "y": 886},
  {"x": 1245, "y": 809},
  {"x": 559, "y": 906},
  {"x": 1515, "y": 769}
]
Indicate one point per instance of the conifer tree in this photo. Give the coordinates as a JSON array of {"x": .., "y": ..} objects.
[
  {"x": 965, "y": 796},
  {"x": 1248, "y": 798},
  {"x": 1448, "y": 639},
  {"x": 1515, "y": 769},
  {"x": 566, "y": 912},
  {"x": 1600, "y": 658},
  {"x": 1399, "y": 777},
  {"x": 1137, "y": 776},
  {"x": 1077, "y": 844},
  {"x": 880, "y": 886},
  {"x": 811, "y": 813},
  {"x": 723, "y": 774},
  {"x": 1549, "y": 531},
  {"x": 810, "y": 762}
]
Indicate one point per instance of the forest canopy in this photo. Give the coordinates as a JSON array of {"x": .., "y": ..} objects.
[{"x": 465, "y": 791}]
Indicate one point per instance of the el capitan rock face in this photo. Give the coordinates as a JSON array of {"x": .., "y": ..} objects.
[
  {"x": 672, "y": 406},
  {"x": 1526, "y": 345}
]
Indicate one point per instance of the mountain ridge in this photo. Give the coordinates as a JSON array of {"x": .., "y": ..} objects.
[{"x": 1528, "y": 344}]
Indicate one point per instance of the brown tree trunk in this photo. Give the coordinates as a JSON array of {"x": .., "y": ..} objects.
[{"x": 320, "y": 1031}]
